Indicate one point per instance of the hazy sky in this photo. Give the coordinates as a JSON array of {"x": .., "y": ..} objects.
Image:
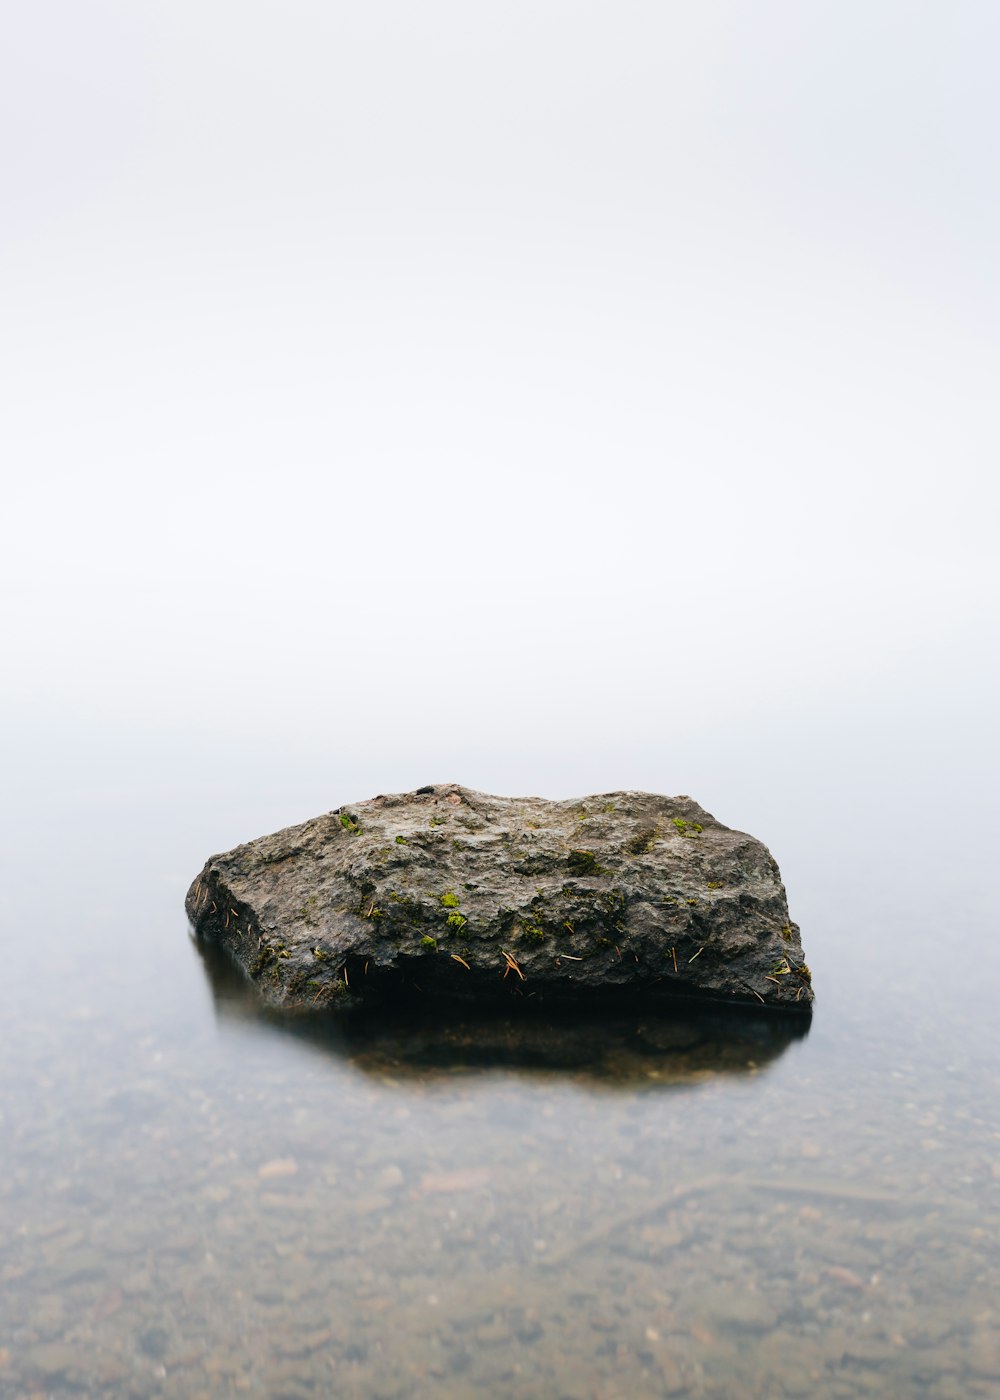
[{"x": 536, "y": 378}]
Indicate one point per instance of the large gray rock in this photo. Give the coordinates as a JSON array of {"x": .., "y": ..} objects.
[{"x": 446, "y": 892}]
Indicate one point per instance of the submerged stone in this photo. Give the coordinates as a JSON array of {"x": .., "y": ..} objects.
[{"x": 449, "y": 893}]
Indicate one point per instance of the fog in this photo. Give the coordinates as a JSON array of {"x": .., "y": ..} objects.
[{"x": 546, "y": 397}]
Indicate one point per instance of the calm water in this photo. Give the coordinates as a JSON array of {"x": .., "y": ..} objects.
[{"x": 200, "y": 1200}]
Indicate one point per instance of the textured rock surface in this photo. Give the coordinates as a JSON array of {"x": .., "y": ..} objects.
[{"x": 453, "y": 893}]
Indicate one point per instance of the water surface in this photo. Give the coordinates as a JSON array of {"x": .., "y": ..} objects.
[{"x": 199, "y": 1198}]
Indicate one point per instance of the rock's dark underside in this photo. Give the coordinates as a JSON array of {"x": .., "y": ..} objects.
[{"x": 453, "y": 894}]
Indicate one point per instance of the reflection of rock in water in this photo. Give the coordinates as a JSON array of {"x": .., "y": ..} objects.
[{"x": 682, "y": 1045}]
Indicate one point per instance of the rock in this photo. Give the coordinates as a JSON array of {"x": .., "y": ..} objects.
[
  {"x": 737, "y": 1308},
  {"x": 54, "y": 1361},
  {"x": 451, "y": 893},
  {"x": 279, "y": 1166}
]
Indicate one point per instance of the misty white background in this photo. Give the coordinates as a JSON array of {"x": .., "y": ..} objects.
[{"x": 549, "y": 397}]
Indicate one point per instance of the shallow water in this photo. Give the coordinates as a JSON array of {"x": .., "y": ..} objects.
[{"x": 199, "y": 1198}]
